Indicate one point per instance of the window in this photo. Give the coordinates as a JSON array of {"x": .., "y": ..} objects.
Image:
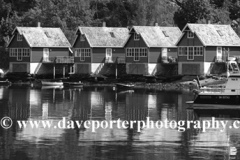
[
  {"x": 136, "y": 36},
  {"x": 108, "y": 54},
  {"x": 165, "y": 33},
  {"x": 136, "y": 55},
  {"x": 142, "y": 52},
  {"x": 182, "y": 51},
  {"x": 82, "y": 53},
  {"x": 82, "y": 37},
  {"x": 19, "y": 55},
  {"x": 25, "y": 52},
  {"x": 220, "y": 33},
  {"x": 190, "y": 34},
  {"x": 47, "y": 34},
  {"x": 198, "y": 51},
  {"x": 190, "y": 53},
  {"x": 19, "y": 37},
  {"x": 112, "y": 34}
]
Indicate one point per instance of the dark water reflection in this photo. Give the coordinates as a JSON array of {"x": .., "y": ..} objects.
[{"x": 105, "y": 104}]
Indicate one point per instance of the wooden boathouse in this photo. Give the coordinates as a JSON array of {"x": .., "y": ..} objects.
[
  {"x": 98, "y": 50},
  {"x": 151, "y": 49},
  {"x": 205, "y": 48},
  {"x": 40, "y": 50}
]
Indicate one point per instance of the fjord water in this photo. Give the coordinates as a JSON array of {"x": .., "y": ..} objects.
[{"x": 24, "y": 103}]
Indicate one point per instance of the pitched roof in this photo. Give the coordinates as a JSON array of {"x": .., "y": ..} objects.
[
  {"x": 43, "y": 37},
  {"x": 105, "y": 36},
  {"x": 214, "y": 34},
  {"x": 156, "y": 36}
]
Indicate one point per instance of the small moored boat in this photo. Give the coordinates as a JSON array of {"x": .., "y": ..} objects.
[
  {"x": 219, "y": 97},
  {"x": 123, "y": 85},
  {"x": 73, "y": 84},
  {"x": 49, "y": 83},
  {"x": 5, "y": 83}
]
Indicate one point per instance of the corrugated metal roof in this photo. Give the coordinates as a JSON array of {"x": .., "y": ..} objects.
[
  {"x": 105, "y": 36},
  {"x": 215, "y": 35},
  {"x": 44, "y": 37},
  {"x": 156, "y": 36}
]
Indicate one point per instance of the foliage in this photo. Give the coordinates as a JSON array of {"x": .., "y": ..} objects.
[{"x": 69, "y": 14}]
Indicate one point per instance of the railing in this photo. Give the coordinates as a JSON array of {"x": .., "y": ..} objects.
[
  {"x": 64, "y": 59},
  {"x": 219, "y": 89},
  {"x": 48, "y": 59}
]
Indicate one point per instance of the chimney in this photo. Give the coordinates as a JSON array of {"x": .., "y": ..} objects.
[
  {"x": 39, "y": 24},
  {"x": 156, "y": 24},
  {"x": 104, "y": 24}
]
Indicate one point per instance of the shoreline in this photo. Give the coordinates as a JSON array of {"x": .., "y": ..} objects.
[{"x": 177, "y": 85}]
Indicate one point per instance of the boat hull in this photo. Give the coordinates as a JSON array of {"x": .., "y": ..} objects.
[
  {"x": 126, "y": 86},
  {"x": 218, "y": 99},
  {"x": 51, "y": 83},
  {"x": 72, "y": 84}
]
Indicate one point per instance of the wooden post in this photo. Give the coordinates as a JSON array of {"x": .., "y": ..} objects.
[
  {"x": 54, "y": 72},
  {"x": 63, "y": 71},
  {"x": 116, "y": 71}
]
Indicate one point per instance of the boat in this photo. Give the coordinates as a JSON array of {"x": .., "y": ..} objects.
[
  {"x": 73, "y": 84},
  {"x": 5, "y": 83},
  {"x": 49, "y": 83},
  {"x": 124, "y": 85},
  {"x": 219, "y": 97}
]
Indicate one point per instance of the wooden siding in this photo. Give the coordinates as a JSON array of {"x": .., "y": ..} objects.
[
  {"x": 87, "y": 60},
  {"x": 234, "y": 51},
  {"x": 18, "y": 44},
  {"x": 211, "y": 53},
  {"x": 54, "y": 52},
  {"x": 81, "y": 44},
  {"x": 14, "y": 59},
  {"x": 196, "y": 59},
  {"x": 154, "y": 55},
  {"x": 189, "y": 41},
  {"x": 133, "y": 43},
  {"x": 82, "y": 68},
  {"x": 173, "y": 52},
  {"x": 37, "y": 53},
  {"x": 98, "y": 55},
  {"x": 118, "y": 53},
  {"x": 141, "y": 60}
]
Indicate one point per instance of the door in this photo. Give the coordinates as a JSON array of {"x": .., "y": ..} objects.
[
  {"x": 219, "y": 54},
  {"x": 136, "y": 55},
  {"x": 108, "y": 55},
  {"x": 164, "y": 54},
  {"x": 46, "y": 54},
  {"x": 19, "y": 55}
]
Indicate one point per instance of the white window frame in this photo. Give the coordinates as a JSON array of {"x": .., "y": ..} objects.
[
  {"x": 19, "y": 55},
  {"x": 190, "y": 34},
  {"x": 190, "y": 56},
  {"x": 136, "y": 55},
  {"x": 82, "y": 53},
  {"x": 19, "y": 37},
  {"x": 136, "y": 37}
]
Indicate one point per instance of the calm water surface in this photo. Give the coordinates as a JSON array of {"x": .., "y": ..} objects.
[{"x": 100, "y": 104}]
